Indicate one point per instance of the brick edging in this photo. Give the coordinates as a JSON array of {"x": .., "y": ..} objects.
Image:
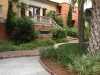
[
  {"x": 1, "y": 57},
  {"x": 16, "y": 56},
  {"x": 47, "y": 69}
]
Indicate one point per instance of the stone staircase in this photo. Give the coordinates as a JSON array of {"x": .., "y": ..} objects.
[
  {"x": 44, "y": 20},
  {"x": 44, "y": 24}
]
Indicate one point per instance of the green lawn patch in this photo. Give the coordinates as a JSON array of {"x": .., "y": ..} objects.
[{"x": 73, "y": 48}]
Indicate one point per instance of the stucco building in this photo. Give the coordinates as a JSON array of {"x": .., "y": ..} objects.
[{"x": 37, "y": 11}]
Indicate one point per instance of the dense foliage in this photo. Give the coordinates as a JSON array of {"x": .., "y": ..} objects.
[
  {"x": 69, "y": 20},
  {"x": 64, "y": 54},
  {"x": 58, "y": 33},
  {"x": 51, "y": 14},
  {"x": 87, "y": 15},
  {"x": 10, "y": 21},
  {"x": 24, "y": 30},
  {"x": 86, "y": 33},
  {"x": 86, "y": 65},
  {"x": 9, "y": 46},
  {"x": 58, "y": 20},
  {"x": 72, "y": 32}
]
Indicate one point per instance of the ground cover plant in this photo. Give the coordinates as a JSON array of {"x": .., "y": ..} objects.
[
  {"x": 11, "y": 46},
  {"x": 76, "y": 60},
  {"x": 64, "y": 53}
]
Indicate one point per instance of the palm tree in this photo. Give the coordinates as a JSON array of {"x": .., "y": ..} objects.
[{"x": 94, "y": 39}]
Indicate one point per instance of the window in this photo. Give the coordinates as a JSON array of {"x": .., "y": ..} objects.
[
  {"x": 59, "y": 9},
  {"x": 44, "y": 12},
  {"x": 34, "y": 11},
  {"x": 73, "y": 22}
]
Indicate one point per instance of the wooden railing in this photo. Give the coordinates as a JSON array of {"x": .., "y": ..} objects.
[{"x": 44, "y": 20}]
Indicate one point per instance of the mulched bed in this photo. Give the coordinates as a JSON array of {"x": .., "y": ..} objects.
[{"x": 56, "y": 67}]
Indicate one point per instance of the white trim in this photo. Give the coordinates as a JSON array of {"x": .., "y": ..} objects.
[{"x": 38, "y": 4}]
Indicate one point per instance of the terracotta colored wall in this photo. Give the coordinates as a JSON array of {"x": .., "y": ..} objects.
[
  {"x": 75, "y": 17},
  {"x": 3, "y": 34},
  {"x": 64, "y": 14}
]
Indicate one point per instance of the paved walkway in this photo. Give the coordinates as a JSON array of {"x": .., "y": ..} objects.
[
  {"x": 27, "y": 63},
  {"x": 22, "y": 66}
]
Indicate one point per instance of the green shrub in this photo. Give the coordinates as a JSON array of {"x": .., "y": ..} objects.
[
  {"x": 72, "y": 32},
  {"x": 49, "y": 52},
  {"x": 61, "y": 40},
  {"x": 58, "y": 33},
  {"x": 23, "y": 30},
  {"x": 49, "y": 42},
  {"x": 53, "y": 15},
  {"x": 59, "y": 21},
  {"x": 64, "y": 56},
  {"x": 86, "y": 33},
  {"x": 87, "y": 64},
  {"x": 6, "y": 46}
]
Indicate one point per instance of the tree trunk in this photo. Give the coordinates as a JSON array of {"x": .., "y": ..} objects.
[
  {"x": 81, "y": 25},
  {"x": 94, "y": 38}
]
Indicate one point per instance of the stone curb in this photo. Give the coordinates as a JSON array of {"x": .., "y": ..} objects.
[
  {"x": 57, "y": 45},
  {"x": 48, "y": 70}
]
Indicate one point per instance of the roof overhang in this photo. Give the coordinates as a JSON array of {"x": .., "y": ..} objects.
[{"x": 35, "y": 3}]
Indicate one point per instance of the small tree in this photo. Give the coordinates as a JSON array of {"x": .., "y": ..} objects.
[
  {"x": 9, "y": 21},
  {"x": 69, "y": 20},
  {"x": 24, "y": 30}
]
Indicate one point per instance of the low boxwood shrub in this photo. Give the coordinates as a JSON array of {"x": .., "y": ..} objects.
[
  {"x": 61, "y": 40},
  {"x": 72, "y": 32},
  {"x": 58, "y": 33},
  {"x": 24, "y": 30}
]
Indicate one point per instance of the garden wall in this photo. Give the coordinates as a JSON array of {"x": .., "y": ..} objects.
[
  {"x": 4, "y": 36},
  {"x": 38, "y": 27}
]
